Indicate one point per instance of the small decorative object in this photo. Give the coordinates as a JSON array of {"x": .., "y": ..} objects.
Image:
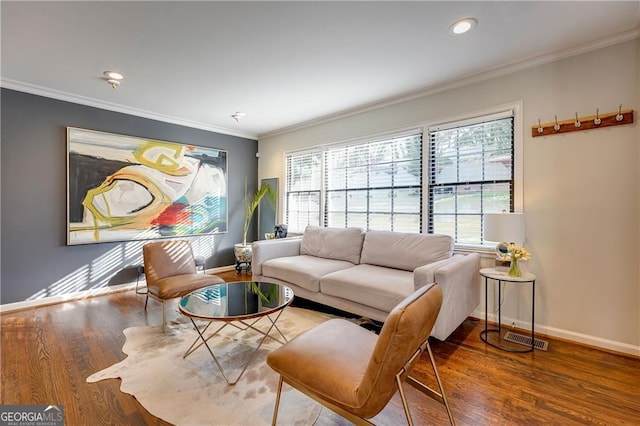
[
  {"x": 281, "y": 231},
  {"x": 514, "y": 254}
]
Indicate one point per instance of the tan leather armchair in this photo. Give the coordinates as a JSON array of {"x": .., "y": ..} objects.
[
  {"x": 354, "y": 372},
  {"x": 170, "y": 272}
]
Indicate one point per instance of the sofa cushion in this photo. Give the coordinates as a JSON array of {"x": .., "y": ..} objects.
[
  {"x": 333, "y": 243},
  {"x": 303, "y": 271},
  {"x": 404, "y": 250},
  {"x": 374, "y": 286}
]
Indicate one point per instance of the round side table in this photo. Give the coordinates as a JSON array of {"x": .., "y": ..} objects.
[{"x": 500, "y": 277}]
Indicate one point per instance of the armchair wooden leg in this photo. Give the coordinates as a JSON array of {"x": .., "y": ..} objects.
[
  {"x": 146, "y": 300},
  {"x": 275, "y": 409}
]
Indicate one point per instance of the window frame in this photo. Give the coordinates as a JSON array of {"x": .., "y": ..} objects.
[{"x": 425, "y": 127}]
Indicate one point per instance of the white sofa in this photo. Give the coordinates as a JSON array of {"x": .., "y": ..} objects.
[{"x": 368, "y": 273}]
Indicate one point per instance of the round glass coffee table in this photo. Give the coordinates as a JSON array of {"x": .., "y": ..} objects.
[{"x": 239, "y": 304}]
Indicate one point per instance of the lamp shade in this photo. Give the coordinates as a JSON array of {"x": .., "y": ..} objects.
[{"x": 504, "y": 227}]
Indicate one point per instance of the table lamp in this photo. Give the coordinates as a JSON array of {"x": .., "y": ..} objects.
[{"x": 504, "y": 228}]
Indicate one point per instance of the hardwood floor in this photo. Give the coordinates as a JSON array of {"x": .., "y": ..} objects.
[{"x": 48, "y": 352}]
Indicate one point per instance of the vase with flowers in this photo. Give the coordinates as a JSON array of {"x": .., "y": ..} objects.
[{"x": 514, "y": 254}]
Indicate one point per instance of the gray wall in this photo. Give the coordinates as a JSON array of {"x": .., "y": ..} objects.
[{"x": 36, "y": 262}]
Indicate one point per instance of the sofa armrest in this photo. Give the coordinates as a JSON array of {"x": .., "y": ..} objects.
[
  {"x": 460, "y": 292},
  {"x": 270, "y": 249},
  {"x": 426, "y": 274}
]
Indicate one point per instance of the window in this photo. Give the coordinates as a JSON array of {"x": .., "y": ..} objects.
[
  {"x": 304, "y": 181},
  {"x": 471, "y": 173},
  {"x": 470, "y": 168},
  {"x": 375, "y": 185}
]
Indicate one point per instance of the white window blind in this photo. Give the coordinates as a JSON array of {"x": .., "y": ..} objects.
[
  {"x": 378, "y": 184},
  {"x": 471, "y": 172},
  {"x": 375, "y": 185},
  {"x": 303, "y": 186}
]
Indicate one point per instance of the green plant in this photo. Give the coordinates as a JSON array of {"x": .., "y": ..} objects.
[
  {"x": 251, "y": 204},
  {"x": 270, "y": 297}
]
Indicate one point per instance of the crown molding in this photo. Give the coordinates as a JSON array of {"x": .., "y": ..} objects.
[
  {"x": 82, "y": 100},
  {"x": 465, "y": 80}
]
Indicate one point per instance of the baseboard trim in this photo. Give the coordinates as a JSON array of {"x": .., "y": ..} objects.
[
  {"x": 62, "y": 298},
  {"x": 570, "y": 336},
  {"x": 52, "y": 300}
]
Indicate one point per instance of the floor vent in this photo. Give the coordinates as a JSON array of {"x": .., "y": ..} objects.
[{"x": 510, "y": 336}]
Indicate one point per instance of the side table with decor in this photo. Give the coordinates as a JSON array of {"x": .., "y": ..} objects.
[{"x": 500, "y": 277}]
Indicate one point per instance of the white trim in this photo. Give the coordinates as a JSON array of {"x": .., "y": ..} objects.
[
  {"x": 462, "y": 81},
  {"x": 70, "y": 297},
  {"x": 471, "y": 120},
  {"x": 83, "y": 100},
  {"x": 518, "y": 160},
  {"x": 366, "y": 138},
  {"x": 571, "y": 336},
  {"x": 474, "y": 116},
  {"x": 401, "y": 132},
  {"x": 485, "y": 252},
  {"x": 317, "y": 148}
]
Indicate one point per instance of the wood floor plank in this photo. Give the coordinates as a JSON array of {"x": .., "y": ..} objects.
[{"x": 47, "y": 353}]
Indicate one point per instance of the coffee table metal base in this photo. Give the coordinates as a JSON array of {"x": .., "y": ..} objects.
[{"x": 204, "y": 341}]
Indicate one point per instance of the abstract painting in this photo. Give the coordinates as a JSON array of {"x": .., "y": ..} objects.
[{"x": 123, "y": 188}]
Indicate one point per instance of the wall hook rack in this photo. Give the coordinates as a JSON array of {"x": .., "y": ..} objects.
[{"x": 583, "y": 123}]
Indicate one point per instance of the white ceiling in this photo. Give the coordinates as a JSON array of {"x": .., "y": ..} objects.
[{"x": 283, "y": 63}]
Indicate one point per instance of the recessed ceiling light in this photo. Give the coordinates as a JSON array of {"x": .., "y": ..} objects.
[
  {"x": 462, "y": 26},
  {"x": 115, "y": 75}
]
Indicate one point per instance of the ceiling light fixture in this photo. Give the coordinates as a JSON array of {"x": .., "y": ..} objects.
[
  {"x": 114, "y": 75},
  {"x": 238, "y": 115},
  {"x": 113, "y": 78},
  {"x": 113, "y": 83},
  {"x": 462, "y": 26}
]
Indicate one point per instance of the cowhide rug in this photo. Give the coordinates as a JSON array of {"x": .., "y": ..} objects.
[{"x": 192, "y": 391}]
